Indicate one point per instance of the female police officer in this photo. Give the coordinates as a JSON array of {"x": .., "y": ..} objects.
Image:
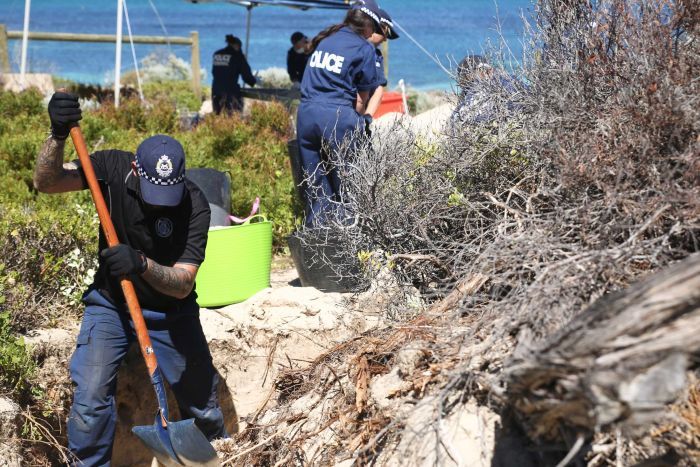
[
  {"x": 334, "y": 93},
  {"x": 377, "y": 38}
]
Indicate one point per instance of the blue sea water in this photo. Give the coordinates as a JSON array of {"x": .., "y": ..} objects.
[{"x": 449, "y": 29}]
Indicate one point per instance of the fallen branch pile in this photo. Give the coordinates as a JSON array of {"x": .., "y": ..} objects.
[{"x": 621, "y": 362}]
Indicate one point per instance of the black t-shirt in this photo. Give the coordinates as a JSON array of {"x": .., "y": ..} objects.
[
  {"x": 228, "y": 65},
  {"x": 296, "y": 63},
  {"x": 167, "y": 236}
]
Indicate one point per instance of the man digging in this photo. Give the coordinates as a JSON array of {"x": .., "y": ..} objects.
[{"x": 162, "y": 220}]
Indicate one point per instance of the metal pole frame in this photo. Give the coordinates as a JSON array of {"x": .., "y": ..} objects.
[
  {"x": 118, "y": 53},
  {"x": 25, "y": 41},
  {"x": 249, "y": 9}
]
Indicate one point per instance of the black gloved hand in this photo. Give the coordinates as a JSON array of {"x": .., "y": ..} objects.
[
  {"x": 64, "y": 112},
  {"x": 122, "y": 260},
  {"x": 368, "y": 121}
]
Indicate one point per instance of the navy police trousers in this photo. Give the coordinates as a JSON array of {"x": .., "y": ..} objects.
[
  {"x": 322, "y": 127},
  {"x": 229, "y": 102},
  {"x": 104, "y": 338}
]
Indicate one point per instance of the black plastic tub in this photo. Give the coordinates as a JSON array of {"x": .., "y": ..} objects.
[
  {"x": 317, "y": 274},
  {"x": 216, "y": 187},
  {"x": 297, "y": 170}
]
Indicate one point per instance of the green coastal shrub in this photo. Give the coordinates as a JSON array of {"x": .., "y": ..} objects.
[
  {"x": 17, "y": 367},
  {"x": 48, "y": 251},
  {"x": 178, "y": 93},
  {"x": 13, "y": 105}
]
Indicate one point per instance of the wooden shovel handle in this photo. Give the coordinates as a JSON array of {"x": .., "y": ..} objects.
[{"x": 112, "y": 240}]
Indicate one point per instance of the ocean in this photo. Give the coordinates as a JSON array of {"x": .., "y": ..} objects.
[{"x": 447, "y": 29}]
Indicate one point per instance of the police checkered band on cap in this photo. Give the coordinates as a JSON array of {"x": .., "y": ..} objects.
[
  {"x": 384, "y": 20},
  {"x": 156, "y": 181},
  {"x": 370, "y": 13},
  {"x": 160, "y": 166}
]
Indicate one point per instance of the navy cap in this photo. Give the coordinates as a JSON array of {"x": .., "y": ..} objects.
[
  {"x": 470, "y": 64},
  {"x": 368, "y": 7},
  {"x": 160, "y": 165},
  {"x": 384, "y": 18}
]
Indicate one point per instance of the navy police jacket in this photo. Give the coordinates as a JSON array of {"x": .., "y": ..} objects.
[
  {"x": 296, "y": 63},
  {"x": 379, "y": 62},
  {"x": 228, "y": 65},
  {"x": 342, "y": 65}
]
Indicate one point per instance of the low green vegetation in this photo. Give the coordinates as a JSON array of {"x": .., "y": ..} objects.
[{"x": 16, "y": 364}]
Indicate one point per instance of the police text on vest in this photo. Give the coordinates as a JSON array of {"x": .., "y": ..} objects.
[
  {"x": 331, "y": 62},
  {"x": 222, "y": 59}
]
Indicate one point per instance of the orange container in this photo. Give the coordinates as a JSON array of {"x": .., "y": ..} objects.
[{"x": 391, "y": 102}]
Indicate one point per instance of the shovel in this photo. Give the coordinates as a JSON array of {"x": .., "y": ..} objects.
[{"x": 172, "y": 443}]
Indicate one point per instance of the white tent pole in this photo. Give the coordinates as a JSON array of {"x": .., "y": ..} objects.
[
  {"x": 133, "y": 51},
  {"x": 118, "y": 57},
  {"x": 25, "y": 41},
  {"x": 247, "y": 29}
]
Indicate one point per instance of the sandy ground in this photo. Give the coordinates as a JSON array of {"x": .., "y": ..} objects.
[
  {"x": 427, "y": 125},
  {"x": 281, "y": 328}
]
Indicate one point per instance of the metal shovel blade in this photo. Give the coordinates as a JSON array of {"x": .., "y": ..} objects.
[{"x": 188, "y": 443}]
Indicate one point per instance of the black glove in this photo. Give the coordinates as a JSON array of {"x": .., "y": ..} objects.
[
  {"x": 122, "y": 260},
  {"x": 64, "y": 112},
  {"x": 368, "y": 121}
]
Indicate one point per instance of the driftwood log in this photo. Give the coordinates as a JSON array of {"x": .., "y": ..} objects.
[{"x": 619, "y": 363}]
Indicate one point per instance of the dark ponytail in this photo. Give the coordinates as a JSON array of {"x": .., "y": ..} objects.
[{"x": 356, "y": 20}]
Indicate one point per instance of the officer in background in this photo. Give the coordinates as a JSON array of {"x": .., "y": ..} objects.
[
  {"x": 377, "y": 38},
  {"x": 478, "y": 79},
  {"x": 334, "y": 93},
  {"x": 228, "y": 64},
  {"x": 297, "y": 56}
]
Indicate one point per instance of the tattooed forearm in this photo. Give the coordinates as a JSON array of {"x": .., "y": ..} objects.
[
  {"x": 174, "y": 281},
  {"x": 51, "y": 175},
  {"x": 49, "y": 164}
]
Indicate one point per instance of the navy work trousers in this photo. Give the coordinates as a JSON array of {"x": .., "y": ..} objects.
[
  {"x": 323, "y": 127},
  {"x": 104, "y": 338},
  {"x": 228, "y": 102}
]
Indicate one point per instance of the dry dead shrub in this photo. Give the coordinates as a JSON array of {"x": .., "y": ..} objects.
[
  {"x": 580, "y": 179},
  {"x": 569, "y": 186}
]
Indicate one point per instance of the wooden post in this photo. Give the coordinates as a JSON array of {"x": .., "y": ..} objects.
[
  {"x": 194, "y": 63},
  {"x": 111, "y": 38},
  {"x": 4, "y": 51}
]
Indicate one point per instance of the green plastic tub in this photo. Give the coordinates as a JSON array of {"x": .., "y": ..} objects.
[{"x": 236, "y": 263}]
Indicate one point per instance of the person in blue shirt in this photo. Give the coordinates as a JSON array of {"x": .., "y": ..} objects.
[
  {"x": 228, "y": 64},
  {"x": 377, "y": 38},
  {"x": 477, "y": 80},
  {"x": 339, "y": 76}
]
